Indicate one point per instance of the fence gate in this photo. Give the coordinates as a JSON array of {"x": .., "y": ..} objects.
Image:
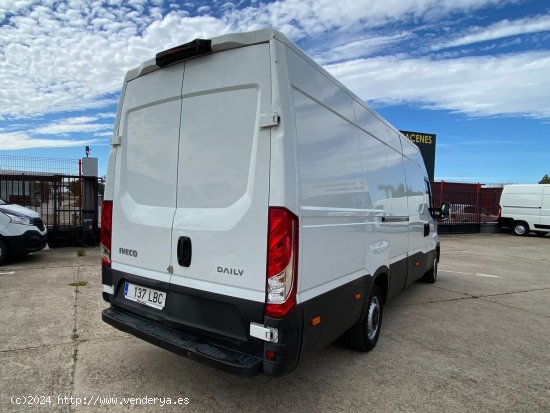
[
  {"x": 471, "y": 205},
  {"x": 67, "y": 204}
]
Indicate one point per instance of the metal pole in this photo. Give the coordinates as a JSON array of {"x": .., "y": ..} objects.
[{"x": 478, "y": 203}]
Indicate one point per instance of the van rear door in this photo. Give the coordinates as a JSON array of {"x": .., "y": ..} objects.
[
  {"x": 146, "y": 174},
  {"x": 220, "y": 227}
]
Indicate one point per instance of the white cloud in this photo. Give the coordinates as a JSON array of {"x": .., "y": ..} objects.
[
  {"x": 20, "y": 140},
  {"x": 500, "y": 30},
  {"x": 70, "y": 56},
  {"x": 301, "y": 18},
  {"x": 347, "y": 50},
  {"x": 106, "y": 115},
  {"x": 13, "y": 6},
  {"x": 21, "y": 136},
  {"x": 80, "y": 124},
  {"x": 513, "y": 84},
  {"x": 204, "y": 9},
  {"x": 60, "y": 59}
]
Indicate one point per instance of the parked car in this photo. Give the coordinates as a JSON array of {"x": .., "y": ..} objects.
[
  {"x": 21, "y": 231},
  {"x": 466, "y": 213}
]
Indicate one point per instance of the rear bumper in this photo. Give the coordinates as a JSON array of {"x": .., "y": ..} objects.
[
  {"x": 209, "y": 328},
  {"x": 184, "y": 343}
]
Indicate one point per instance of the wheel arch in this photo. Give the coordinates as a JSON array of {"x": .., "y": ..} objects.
[
  {"x": 382, "y": 279},
  {"x": 5, "y": 241},
  {"x": 7, "y": 245},
  {"x": 521, "y": 222}
]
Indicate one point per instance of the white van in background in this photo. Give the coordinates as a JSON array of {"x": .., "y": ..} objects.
[
  {"x": 525, "y": 208},
  {"x": 255, "y": 209},
  {"x": 21, "y": 231}
]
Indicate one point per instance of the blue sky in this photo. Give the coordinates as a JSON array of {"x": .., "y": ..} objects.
[{"x": 474, "y": 72}]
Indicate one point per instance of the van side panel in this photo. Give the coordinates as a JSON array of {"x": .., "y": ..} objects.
[
  {"x": 356, "y": 208},
  {"x": 331, "y": 196},
  {"x": 522, "y": 203},
  {"x": 419, "y": 217},
  {"x": 395, "y": 226},
  {"x": 423, "y": 239},
  {"x": 283, "y": 176},
  {"x": 386, "y": 204},
  {"x": 331, "y": 193},
  {"x": 375, "y": 155}
]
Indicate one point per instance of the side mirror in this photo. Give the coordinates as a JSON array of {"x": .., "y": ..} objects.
[{"x": 444, "y": 210}]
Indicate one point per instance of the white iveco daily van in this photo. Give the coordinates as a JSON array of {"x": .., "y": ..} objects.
[
  {"x": 525, "y": 208},
  {"x": 256, "y": 210}
]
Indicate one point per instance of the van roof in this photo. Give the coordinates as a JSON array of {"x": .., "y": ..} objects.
[
  {"x": 526, "y": 187},
  {"x": 218, "y": 44},
  {"x": 236, "y": 40}
]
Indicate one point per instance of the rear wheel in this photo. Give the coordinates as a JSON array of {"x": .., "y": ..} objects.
[
  {"x": 364, "y": 334},
  {"x": 3, "y": 252},
  {"x": 431, "y": 275},
  {"x": 521, "y": 228}
]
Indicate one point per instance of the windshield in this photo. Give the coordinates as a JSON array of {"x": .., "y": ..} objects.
[{"x": 2, "y": 202}]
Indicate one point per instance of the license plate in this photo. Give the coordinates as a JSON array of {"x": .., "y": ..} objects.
[{"x": 145, "y": 295}]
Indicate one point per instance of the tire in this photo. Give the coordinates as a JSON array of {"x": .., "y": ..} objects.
[
  {"x": 3, "y": 252},
  {"x": 521, "y": 228},
  {"x": 540, "y": 233},
  {"x": 363, "y": 336},
  {"x": 431, "y": 276}
]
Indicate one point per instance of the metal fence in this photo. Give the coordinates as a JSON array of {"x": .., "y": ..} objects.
[
  {"x": 68, "y": 205},
  {"x": 34, "y": 165},
  {"x": 471, "y": 205}
]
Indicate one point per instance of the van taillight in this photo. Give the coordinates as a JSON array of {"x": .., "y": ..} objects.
[
  {"x": 282, "y": 262},
  {"x": 106, "y": 226},
  {"x": 499, "y": 212}
]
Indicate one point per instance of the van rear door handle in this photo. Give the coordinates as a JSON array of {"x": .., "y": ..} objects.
[{"x": 184, "y": 251}]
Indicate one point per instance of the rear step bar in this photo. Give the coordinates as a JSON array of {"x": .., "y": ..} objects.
[{"x": 184, "y": 344}]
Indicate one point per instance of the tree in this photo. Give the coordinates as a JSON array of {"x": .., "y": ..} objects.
[{"x": 545, "y": 179}]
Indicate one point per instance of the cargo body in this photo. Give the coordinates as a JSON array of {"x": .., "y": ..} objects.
[
  {"x": 525, "y": 208},
  {"x": 256, "y": 209}
]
